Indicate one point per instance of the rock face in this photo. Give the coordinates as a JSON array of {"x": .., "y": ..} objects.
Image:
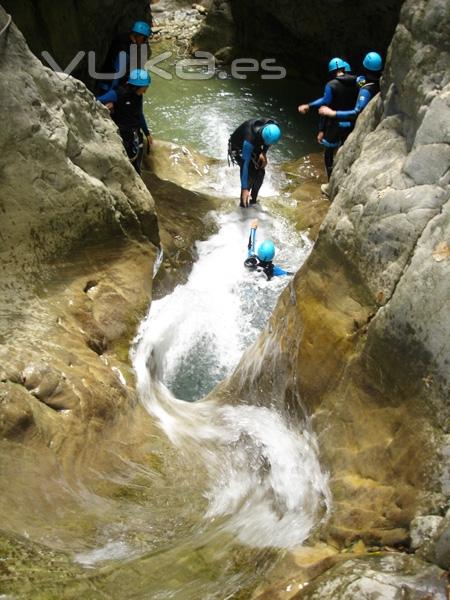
[
  {"x": 308, "y": 35},
  {"x": 383, "y": 578},
  {"x": 361, "y": 337},
  {"x": 218, "y": 33},
  {"x": 64, "y": 29},
  {"x": 78, "y": 236}
]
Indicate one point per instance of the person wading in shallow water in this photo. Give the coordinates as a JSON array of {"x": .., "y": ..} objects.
[
  {"x": 247, "y": 147},
  {"x": 126, "y": 106},
  {"x": 340, "y": 93},
  {"x": 128, "y": 51},
  {"x": 262, "y": 260}
]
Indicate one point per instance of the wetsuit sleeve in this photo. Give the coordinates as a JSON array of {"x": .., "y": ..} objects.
[
  {"x": 144, "y": 125},
  {"x": 252, "y": 242},
  {"x": 110, "y": 96},
  {"x": 278, "y": 271},
  {"x": 247, "y": 150},
  {"x": 325, "y": 100},
  {"x": 363, "y": 100}
]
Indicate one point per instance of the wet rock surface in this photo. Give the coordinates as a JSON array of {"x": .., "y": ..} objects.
[
  {"x": 389, "y": 577},
  {"x": 360, "y": 339},
  {"x": 184, "y": 216},
  {"x": 308, "y": 206},
  {"x": 78, "y": 240},
  {"x": 218, "y": 32}
]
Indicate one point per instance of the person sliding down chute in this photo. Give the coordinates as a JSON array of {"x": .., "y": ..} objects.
[{"x": 262, "y": 261}]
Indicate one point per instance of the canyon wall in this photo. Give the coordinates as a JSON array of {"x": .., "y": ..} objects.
[
  {"x": 360, "y": 339},
  {"x": 78, "y": 236}
]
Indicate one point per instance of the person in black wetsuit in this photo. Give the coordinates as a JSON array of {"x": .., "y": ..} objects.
[
  {"x": 128, "y": 51},
  {"x": 247, "y": 147},
  {"x": 126, "y": 106},
  {"x": 373, "y": 65},
  {"x": 340, "y": 93}
]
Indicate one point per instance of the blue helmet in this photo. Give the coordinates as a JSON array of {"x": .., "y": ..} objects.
[
  {"x": 142, "y": 28},
  {"x": 266, "y": 251},
  {"x": 347, "y": 67},
  {"x": 271, "y": 134},
  {"x": 335, "y": 64},
  {"x": 373, "y": 62},
  {"x": 139, "y": 78}
]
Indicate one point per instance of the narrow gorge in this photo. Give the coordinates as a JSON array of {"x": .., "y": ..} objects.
[{"x": 172, "y": 426}]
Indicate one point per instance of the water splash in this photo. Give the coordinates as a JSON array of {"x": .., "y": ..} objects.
[{"x": 266, "y": 485}]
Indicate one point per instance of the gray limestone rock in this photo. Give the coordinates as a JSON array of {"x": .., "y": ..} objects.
[
  {"x": 392, "y": 577},
  {"x": 65, "y": 177},
  {"x": 423, "y": 529}
]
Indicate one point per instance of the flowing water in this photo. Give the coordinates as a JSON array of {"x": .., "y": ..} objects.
[
  {"x": 263, "y": 483},
  {"x": 226, "y": 486}
]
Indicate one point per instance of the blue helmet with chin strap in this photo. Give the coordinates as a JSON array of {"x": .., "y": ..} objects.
[
  {"x": 271, "y": 134},
  {"x": 336, "y": 64},
  {"x": 142, "y": 28},
  {"x": 139, "y": 78},
  {"x": 266, "y": 251},
  {"x": 373, "y": 62}
]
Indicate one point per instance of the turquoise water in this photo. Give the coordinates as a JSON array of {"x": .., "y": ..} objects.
[{"x": 203, "y": 114}]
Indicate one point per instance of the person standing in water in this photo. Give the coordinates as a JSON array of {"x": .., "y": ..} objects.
[
  {"x": 262, "y": 260},
  {"x": 126, "y": 106},
  {"x": 247, "y": 147}
]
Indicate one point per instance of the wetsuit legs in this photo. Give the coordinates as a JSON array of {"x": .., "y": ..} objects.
[
  {"x": 258, "y": 179},
  {"x": 137, "y": 164},
  {"x": 329, "y": 159},
  {"x": 255, "y": 179},
  {"x": 133, "y": 143}
]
